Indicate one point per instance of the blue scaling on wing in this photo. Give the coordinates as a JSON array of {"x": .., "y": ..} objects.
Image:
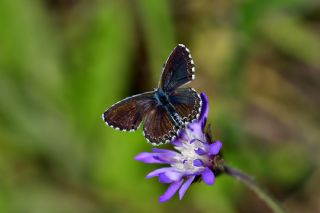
[
  {"x": 187, "y": 103},
  {"x": 178, "y": 70}
]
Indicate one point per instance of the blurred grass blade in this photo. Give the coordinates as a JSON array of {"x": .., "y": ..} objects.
[
  {"x": 158, "y": 26},
  {"x": 25, "y": 51},
  {"x": 102, "y": 68},
  {"x": 292, "y": 37}
]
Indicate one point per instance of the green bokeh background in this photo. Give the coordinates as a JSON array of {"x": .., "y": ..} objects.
[{"x": 62, "y": 62}]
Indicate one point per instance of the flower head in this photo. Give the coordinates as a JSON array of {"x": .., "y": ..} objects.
[{"x": 195, "y": 157}]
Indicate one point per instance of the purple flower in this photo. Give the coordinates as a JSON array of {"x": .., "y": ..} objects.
[{"x": 195, "y": 157}]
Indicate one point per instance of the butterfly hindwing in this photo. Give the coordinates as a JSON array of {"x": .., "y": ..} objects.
[
  {"x": 128, "y": 114},
  {"x": 178, "y": 69},
  {"x": 158, "y": 126},
  {"x": 187, "y": 103}
]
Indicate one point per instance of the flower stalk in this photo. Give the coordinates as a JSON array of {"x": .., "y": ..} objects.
[{"x": 250, "y": 183}]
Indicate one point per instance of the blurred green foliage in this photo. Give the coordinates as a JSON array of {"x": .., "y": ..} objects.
[{"x": 62, "y": 62}]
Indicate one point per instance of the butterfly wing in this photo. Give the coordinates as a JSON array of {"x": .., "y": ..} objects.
[
  {"x": 178, "y": 69},
  {"x": 187, "y": 103},
  {"x": 158, "y": 126},
  {"x": 127, "y": 114}
]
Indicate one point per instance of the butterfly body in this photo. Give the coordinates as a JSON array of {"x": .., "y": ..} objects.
[
  {"x": 166, "y": 109},
  {"x": 163, "y": 100}
]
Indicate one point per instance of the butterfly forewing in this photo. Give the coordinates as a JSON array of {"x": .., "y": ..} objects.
[
  {"x": 187, "y": 103},
  {"x": 158, "y": 126},
  {"x": 127, "y": 114},
  {"x": 178, "y": 69}
]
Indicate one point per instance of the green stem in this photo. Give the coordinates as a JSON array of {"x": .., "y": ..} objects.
[{"x": 254, "y": 187}]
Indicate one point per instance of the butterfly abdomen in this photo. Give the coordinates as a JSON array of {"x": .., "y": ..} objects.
[{"x": 176, "y": 118}]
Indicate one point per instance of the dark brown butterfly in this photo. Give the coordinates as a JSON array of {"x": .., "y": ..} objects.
[{"x": 164, "y": 110}]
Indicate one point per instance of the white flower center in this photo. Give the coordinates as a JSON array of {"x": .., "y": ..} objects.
[{"x": 185, "y": 160}]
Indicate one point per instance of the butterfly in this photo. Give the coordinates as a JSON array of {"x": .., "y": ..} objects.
[{"x": 165, "y": 110}]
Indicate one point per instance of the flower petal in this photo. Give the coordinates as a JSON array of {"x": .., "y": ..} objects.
[
  {"x": 159, "y": 171},
  {"x": 196, "y": 130},
  {"x": 157, "y": 150},
  {"x": 147, "y": 157},
  {"x": 172, "y": 175},
  {"x": 200, "y": 151},
  {"x": 164, "y": 179},
  {"x": 215, "y": 148},
  {"x": 196, "y": 140},
  {"x": 198, "y": 163},
  {"x": 185, "y": 186},
  {"x": 165, "y": 156},
  {"x": 204, "y": 110},
  {"x": 208, "y": 176},
  {"x": 172, "y": 189},
  {"x": 176, "y": 142},
  {"x": 182, "y": 136}
]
